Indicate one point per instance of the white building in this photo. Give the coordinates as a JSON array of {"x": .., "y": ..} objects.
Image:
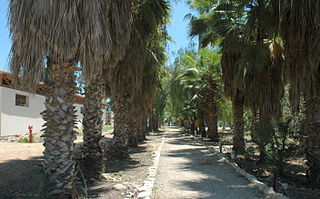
[{"x": 19, "y": 109}]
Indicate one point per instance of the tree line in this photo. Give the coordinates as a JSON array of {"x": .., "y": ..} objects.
[
  {"x": 257, "y": 67},
  {"x": 119, "y": 47}
]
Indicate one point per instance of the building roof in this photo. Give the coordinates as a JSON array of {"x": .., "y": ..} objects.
[{"x": 6, "y": 81}]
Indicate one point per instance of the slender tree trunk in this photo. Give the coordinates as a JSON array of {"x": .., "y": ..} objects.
[
  {"x": 142, "y": 130},
  {"x": 149, "y": 121},
  {"x": 312, "y": 144},
  {"x": 237, "y": 110},
  {"x": 202, "y": 126},
  {"x": 92, "y": 164},
  {"x": 134, "y": 131},
  {"x": 192, "y": 127},
  {"x": 211, "y": 111},
  {"x": 155, "y": 123},
  {"x": 212, "y": 123},
  {"x": 265, "y": 127},
  {"x": 144, "y": 127},
  {"x": 59, "y": 134},
  {"x": 119, "y": 147}
]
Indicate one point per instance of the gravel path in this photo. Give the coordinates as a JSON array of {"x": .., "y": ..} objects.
[{"x": 187, "y": 170}]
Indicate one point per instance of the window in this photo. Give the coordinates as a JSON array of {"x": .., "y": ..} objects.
[{"x": 21, "y": 100}]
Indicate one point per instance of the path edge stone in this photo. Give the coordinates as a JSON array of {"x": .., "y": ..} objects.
[
  {"x": 145, "y": 191},
  {"x": 265, "y": 189}
]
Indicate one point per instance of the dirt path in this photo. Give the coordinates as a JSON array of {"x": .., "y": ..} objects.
[{"x": 188, "y": 170}]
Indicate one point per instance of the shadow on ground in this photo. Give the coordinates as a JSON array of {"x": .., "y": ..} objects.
[
  {"x": 21, "y": 178},
  {"x": 208, "y": 177}
]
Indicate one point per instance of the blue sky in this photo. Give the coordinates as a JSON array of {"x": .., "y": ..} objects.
[
  {"x": 5, "y": 43},
  {"x": 177, "y": 30}
]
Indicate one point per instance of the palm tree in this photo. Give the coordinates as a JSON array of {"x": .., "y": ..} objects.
[
  {"x": 250, "y": 76},
  {"x": 201, "y": 79},
  {"x": 299, "y": 29},
  {"x": 211, "y": 26},
  {"x": 62, "y": 33},
  {"x": 92, "y": 162},
  {"x": 127, "y": 77},
  {"x": 124, "y": 86}
]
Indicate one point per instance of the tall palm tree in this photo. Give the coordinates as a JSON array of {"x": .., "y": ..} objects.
[
  {"x": 120, "y": 27},
  {"x": 152, "y": 98},
  {"x": 202, "y": 78},
  {"x": 299, "y": 29},
  {"x": 62, "y": 33},
  {"x": 248, "y": 70},
  {"x": 127, "y": 77}
]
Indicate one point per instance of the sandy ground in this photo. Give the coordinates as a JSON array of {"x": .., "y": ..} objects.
[
  {"x": 187, "y": 170},
  {"x": 20, "y": 164},
  {"x": 19, "y": 151}
]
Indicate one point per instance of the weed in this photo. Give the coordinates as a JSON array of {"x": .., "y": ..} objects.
[{"x": 24, "y": 140}]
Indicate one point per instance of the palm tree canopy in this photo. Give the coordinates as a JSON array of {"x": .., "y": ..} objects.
[{"x": 68, "y": 31}]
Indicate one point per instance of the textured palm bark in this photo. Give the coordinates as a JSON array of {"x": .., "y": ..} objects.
[
  {"x": 312, "y": 144},
  {"x": 59, "y": 134},
  {"x": 143, "y": 130},
  {"x": 211, "y": 110},
  {"x": 266, "y": 138},
  {"x": 119, "y": 147},
  {"x": 202, "y": 126},
  {"x": 212, "y": 123},
  {"x": 133, "y": 135},
  {"x": 154, "y": 123},
  {"x": 133, "y": 124},
  {"x": 237, "y": 110},
  {"x": 92, "y": 163}
]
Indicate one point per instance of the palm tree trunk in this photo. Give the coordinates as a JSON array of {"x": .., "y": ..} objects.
[
  {"x": 143, "y": 129},
  {"x": 202, "y": 126},
  {"x": 212, "y": 124},
  {"x": 155, "y": 123},
  {"x": 119, "y": 147},
  {"x": 133, "y": 134},
  {"x": 59, "y": 134},
  {"x": 92, "y": 164},
  {"x": 133, "y": 124},
  {"x": 237, "y": 110},
  {"x": 312, "y": 144}
]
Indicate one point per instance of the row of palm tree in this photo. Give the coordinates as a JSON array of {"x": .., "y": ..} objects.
[
  {"x": 264, "y": 45},
  {"x": 111, "y": 43}
]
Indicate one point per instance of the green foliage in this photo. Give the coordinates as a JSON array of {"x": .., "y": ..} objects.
[
  {"x": 225, "y": 111},
  {"x": 24, "y": 140},
  {"x": 190, "y": 79},
  {"x": 159, "y": 103},
  {"x": 285, "y": 143},
  {"x": 107, "y": 127}
]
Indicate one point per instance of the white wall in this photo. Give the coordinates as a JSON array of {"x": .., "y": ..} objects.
[
  {"x": 79, "y": 115},
  {"x": 16, "y": 119}
]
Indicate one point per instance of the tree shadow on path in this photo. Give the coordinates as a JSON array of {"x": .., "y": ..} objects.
[{"x": 191, "y": 168}]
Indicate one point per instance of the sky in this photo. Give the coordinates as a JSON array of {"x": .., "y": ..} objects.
[
  {"x": 177, "y": 30},
  {"x": 5, "y": 42}
]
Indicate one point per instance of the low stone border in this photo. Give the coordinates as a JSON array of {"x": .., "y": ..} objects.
[
  {"x": 268, "y": 191},
  {"x": 146, "y": 190}
]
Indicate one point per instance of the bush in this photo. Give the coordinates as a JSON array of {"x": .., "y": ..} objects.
[
  {"x": 284, "y": 144},
  {"x": 24, "y": 140}
]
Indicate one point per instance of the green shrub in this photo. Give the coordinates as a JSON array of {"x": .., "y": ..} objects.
[
  {"x": 24, "y": 140},
  {"x": 107, "y": 127},
  {"x": 284, "y": 144}
]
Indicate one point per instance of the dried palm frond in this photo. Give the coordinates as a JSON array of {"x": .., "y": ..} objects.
[
  {"x": 126, "y": 77},
  {"x": 121, "y": 26},
  {"x": 39, "y": 29},
  {"x": 300, "y": 31},
  {"x": 95, "y": 33}
]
